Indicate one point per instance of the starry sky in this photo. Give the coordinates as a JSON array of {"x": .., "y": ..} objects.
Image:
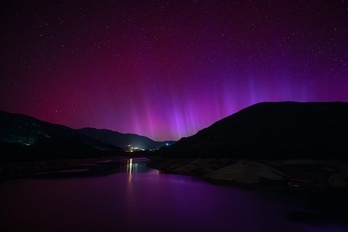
[{"x": 167, "y": 69}]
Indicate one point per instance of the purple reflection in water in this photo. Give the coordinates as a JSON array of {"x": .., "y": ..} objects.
[{"x": 143, "y": 201}]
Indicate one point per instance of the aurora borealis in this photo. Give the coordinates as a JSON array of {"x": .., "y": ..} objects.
[{"x": 166, "y": 69}]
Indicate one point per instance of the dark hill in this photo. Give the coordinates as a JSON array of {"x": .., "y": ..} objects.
[
  {"x": 123, "y": 140},
  {"x": 24, "y": 138},
  {"x": 272, "y": 130}
]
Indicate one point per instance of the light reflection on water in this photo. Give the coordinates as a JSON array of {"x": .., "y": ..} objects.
[
  {"x": 131, "y": 169},
  {"x": 140, "y": 199},
  {"x": 133, "y": 165}
]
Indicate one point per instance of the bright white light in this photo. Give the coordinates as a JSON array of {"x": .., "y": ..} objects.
[{"x": 130, "y": 166}]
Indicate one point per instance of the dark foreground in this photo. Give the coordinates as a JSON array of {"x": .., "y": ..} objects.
[{"x": 124, "y": 195}]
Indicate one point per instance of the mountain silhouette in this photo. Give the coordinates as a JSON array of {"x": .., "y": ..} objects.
[
  {"x": 272, "y": 130},
  {"x": 23, "y": 138},
  {"x": 124, "y": 140}
]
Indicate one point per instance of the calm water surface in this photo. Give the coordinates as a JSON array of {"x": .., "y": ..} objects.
[{"x": 137, "y": 198}]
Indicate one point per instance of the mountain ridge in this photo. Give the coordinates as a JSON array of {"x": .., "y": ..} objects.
[
  {"x": 25, "y": 138},
  {"x": 272, "y": 130},
  {"x": 123, "y": 139}
]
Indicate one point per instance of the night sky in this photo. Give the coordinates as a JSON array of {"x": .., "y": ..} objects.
[{"x": 166, "y": 69}]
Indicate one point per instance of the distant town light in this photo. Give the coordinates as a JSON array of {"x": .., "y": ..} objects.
[{"x": 133, "y": 149}]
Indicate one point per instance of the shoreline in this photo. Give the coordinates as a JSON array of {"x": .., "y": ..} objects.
[
  {"x": 96, "y": 166},
  {"x": 293, "y": 173},
  {"x": 252, "y": 174}
]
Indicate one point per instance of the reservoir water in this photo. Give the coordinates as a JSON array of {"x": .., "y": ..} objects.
[{"x": 136, "y": 198}]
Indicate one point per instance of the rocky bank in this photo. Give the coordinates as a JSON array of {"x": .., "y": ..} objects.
[{"x": 292, "y": 172}]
